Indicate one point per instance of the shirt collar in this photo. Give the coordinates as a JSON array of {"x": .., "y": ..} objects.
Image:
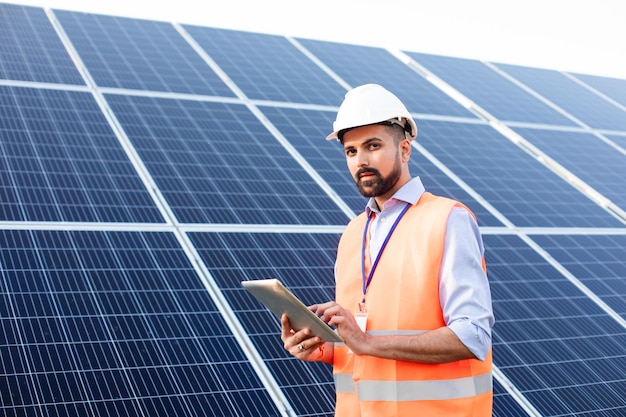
[{"x": 408, "y": 193}]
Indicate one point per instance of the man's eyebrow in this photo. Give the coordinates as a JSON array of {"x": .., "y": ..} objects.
[{"x": 365, "y": 142}]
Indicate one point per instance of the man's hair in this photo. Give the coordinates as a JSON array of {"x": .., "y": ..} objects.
[{"x": 398, "y": 132}]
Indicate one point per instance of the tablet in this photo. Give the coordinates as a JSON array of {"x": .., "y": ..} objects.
[{"x": 279, "y": 300}]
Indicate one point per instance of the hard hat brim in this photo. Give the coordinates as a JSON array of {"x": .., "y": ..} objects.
[{"x": 412, "y": 135}]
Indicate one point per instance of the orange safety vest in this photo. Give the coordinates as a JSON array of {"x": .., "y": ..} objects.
[{"x": 403, "y": 299}]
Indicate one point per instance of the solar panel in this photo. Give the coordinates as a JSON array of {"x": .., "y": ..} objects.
[
  {"x": 62, "y": 162},
  {"x": 560, "y": 348},
  {"x": 596, "y": 260},
  {"x": 115, "y": 323},
  {"x": 611, "y": 87},
  {"x": 30, "y": 49},
  {"x": 587, "y": 157},
  {"x": 216, "y": 163},
  {"x": 139, "y": 54},
  {"x": 588, "y": 107},
  {"x": 304, "y": 263},
  {"x": 267, "y": 67},
  {"x": 357, "y": 64},
  {"x": 493, "y": 92},
  {"x": 525, "y": 191},
  {"x": 133, "y": 202}
]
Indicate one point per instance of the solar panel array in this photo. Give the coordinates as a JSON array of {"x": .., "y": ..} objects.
[{"x": 146, "y": 168}]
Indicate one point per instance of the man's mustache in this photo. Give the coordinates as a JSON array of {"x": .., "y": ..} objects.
[{"x": 362, "y": 171}]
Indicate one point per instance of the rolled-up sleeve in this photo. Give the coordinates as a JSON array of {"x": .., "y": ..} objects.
[{"x": 464, "y": 291}]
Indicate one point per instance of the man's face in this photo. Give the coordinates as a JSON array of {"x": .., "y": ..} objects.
[{"x": 374, "y": 159}]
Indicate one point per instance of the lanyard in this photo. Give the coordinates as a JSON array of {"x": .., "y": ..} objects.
[{"x": 366, "y": 283}]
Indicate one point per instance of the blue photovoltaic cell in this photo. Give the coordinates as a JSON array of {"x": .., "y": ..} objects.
[
  {"x": 267, "y": 67},
  {"x": 611, "y": 87},
  {"x": 587, "y": 157},
  {"x": 307, "y": 130},
  {"x": 304, "y": 264},
  {"x": 522, "y": 189},
  {"x": 115, "y": 324},
  {"x": 60, "y": 161},
  {"x": 598, "y": 261},
  {"x": 139, "y": 54},
  {"x": 30, "y": 49},
  {"x": 558, "y": 348},
  {"x": 216, "y": 163},
  {"x": 490, "y": 90},
  {"x": 578, "y": 101},
  {"x": 363, "y": 64}
]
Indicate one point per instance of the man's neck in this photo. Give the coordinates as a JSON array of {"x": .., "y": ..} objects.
[{"x": 382, "y": 199}]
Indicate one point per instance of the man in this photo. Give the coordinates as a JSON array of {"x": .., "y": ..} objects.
[{"x": 413, "y": 303}]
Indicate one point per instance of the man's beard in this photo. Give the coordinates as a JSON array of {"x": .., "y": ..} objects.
[{"x": 377, "y": 185}]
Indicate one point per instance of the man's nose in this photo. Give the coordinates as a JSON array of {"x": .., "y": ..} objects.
[{"x": 362, "y": 159}]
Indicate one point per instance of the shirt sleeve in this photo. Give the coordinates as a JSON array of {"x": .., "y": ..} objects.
[{"x": 464, "y": 291}]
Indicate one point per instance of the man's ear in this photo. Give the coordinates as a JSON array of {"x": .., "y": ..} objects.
[{"x": 405, "y": 149}]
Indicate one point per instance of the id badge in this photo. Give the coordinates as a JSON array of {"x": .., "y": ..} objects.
[{"x": 361, "y": 317}]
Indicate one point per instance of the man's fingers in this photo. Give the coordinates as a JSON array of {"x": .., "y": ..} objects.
[
  {"x": 286, "y": 327},
  {"x": 336, "y": 320},
  {"x": 304, "y": 349}
]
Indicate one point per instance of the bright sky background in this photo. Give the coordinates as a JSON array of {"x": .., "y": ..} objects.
[{"x": 584, "y": 36}]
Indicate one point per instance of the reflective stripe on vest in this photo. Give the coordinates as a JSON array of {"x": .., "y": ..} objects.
[
  {"x": 413, "y": 390},
  {"x": 389, "y": 333},
  {"x": 446, "y": 389},
  {"x": 344, "y": 383},
  {"x": 395, "y": 332}
]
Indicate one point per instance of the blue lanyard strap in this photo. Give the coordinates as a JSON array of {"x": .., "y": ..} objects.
[{"x": 366, "y": 283}]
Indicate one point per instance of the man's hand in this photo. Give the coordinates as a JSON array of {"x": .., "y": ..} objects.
[
  {"x": 345, "y": 323},
  {"x": 300, "y": 343}
]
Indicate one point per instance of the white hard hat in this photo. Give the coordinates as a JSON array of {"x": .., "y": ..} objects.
[{"x": 370, "y": 104}]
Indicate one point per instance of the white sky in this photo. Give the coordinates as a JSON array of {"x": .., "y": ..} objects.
[{"x": 585, "y": 36}]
